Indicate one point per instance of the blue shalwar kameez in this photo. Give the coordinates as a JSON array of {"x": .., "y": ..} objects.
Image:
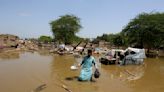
[{"x": 86, "y": 71}]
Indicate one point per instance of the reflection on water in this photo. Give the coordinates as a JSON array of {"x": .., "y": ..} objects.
[
  {"x": 152, "y": 81},
  {"x": 51, "y": 73},
  {"x": 44, "y": 52},
  {"x": 11, "y": 55},
  {"x": 125, "y": 73}
]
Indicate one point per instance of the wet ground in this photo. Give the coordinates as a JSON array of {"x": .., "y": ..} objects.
[{"x": 34, "y": 72}]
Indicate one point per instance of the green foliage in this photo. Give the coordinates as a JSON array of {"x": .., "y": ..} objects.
[
  {"x": 65, "y": 28},
  {"x": 145, "y": 30},
  {"x": 118, "y": 40},
  {"x": 114, "y": 39},
  {"x": 77, "y": 39},
  {"x": 45, "y": 39},
  {"x": 106, "y": 37}
]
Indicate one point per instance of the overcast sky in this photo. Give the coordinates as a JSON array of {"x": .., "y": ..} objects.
[{"x": 31, "y": 18}]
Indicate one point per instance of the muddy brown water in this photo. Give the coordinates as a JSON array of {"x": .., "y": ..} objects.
[{"x": 34, "y": 72}]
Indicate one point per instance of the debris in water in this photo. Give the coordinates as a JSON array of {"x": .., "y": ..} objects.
[
  {"x": 66, "y": 88},
  {"x": 39, "y": 88}
]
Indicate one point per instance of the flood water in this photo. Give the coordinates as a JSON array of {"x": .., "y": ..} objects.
[{"x": 38, "y": 72}]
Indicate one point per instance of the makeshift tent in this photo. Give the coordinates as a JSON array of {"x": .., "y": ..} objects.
[{"x": 135, "y": 58}]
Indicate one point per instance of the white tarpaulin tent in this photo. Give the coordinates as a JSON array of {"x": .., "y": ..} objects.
[{"x": 136, "y": 58}]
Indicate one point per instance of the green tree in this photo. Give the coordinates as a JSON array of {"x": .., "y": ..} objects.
[
  {"x": 118, "y": 40},
  {"x": 45, "y": 39},
  {"x": 108, "y": 38},
  {"x": 145, "y": 30},
  {"x": 65, "y": 28},
  {"x": 77, "y": 39},
  {"x": 104, "y": 37}
]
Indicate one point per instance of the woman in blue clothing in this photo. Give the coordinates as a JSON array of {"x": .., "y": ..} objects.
[{"x": 86, "y": 70}]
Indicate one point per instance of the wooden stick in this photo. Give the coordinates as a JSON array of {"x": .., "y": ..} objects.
[{"x": 130, "y": 73}]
